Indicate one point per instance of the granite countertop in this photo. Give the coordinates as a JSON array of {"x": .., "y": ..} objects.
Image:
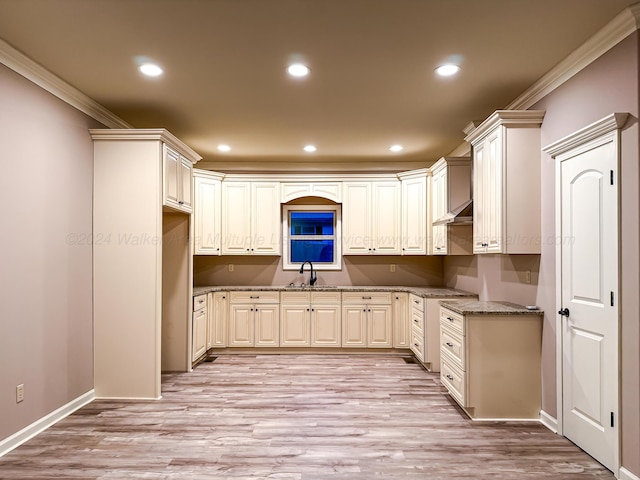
[
  {"x": 425, "y": 292},
  {"x": 475, "y": 307}
]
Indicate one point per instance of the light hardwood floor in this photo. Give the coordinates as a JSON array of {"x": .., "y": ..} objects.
[{"x": 296, "y": 417}]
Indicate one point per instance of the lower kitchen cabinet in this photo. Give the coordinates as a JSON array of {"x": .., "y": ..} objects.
[
  {"x": 254, "y": 319},
  {"x": 199, "y": 328},
  {"x": 310, "y": 319},
  {"x": 218, "y": 307},
  {"x": 401, "y": 326},
  {"x": 295, "y": 329},
  {"x": 490, "y": 363},
  {"x": 367, "y": 320},
  {"x": 326, "y": 325}
]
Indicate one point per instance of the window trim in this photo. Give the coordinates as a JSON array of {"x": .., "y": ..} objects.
[{"x": 336, "y": 208}]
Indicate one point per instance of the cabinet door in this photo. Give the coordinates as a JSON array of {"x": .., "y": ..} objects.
[
  {"x": 218, "y": 317},
  {"x": 356, "y": 218},
  {"x": 241, "y": 325},
  {"x": 385, "y": 218},
  {"x": 493, "y": 193},
  {"x": 186, "y": 180},
  {"x": 354, "y": 326},
  {"x": 440, "y": 208},
  {"x": 401, "y": 325},
  {"x": 479, "y": 192},
  {"x": 207, "y": 212},
  {"x": 294, "y": 325},
  {"x": 199, "y": 334},
  {"x": 325, "y": 326},
  {"x": 236, "y": 218},
  {"x": 267, "y": 325},
  {"x": 171, "y": 173},
  {"x": 414, "y": 216},
  {"x": 379, "y": 326},
  {"x": 265, "y": 218}
]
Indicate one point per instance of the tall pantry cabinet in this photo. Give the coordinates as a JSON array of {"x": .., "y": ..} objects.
[{"x": 142, "y": 259}]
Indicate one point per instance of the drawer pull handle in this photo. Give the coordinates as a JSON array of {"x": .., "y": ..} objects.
[
  {"x": 450, "y": 319},
  {"x": 450, "y": 377},
  {"x": 366, "y": 298},
  {"x": 254, "y": 296},
  {"x": 449, "y": 344},
  {"x": 416, "y": 345},
  {"x": 416, "y": 320},
  {"x": 416, "y": 301}
]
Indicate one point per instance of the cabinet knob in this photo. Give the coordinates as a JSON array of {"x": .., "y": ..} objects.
[
  {"x": 307, "y": 309},
  {"x": 313, "y": 310},
  {"x": 180, "y": 202},
  {"x": 416, "y": 345},
  {"x": 449, "y": 344},
  {"x": 415, "y": 320},
  {"x": 450, "y": 377}
]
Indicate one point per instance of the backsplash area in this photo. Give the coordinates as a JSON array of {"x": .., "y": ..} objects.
[{"x": 356, "y": 270}]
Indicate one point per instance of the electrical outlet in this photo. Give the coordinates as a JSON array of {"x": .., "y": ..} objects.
[
  {"x": 20, "y": 393},
  {"x": 392, "y": 267},
  {"x": 231, "y": 267},
  {"x": 527, "y": 276}
]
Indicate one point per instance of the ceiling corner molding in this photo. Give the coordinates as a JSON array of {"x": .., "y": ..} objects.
[
  {"x": 36, "y": 73},
  {"x": 623, "y": 25},
  {"x": 597, "y": 129}
]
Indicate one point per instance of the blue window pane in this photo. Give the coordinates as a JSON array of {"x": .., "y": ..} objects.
[
  {"x": 318, "y": 251},
  {"x": 311, "y": 223}
]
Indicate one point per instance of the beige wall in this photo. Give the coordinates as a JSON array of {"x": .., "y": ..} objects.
[
  {"x": 608, "y": 85},
  {"x": 45, "y": 253},
  {"x": 357, "y": 270}
]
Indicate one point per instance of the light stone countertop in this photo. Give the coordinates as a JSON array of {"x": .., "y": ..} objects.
[
  {"x": 425, "y": 292},
  {"x": 475, "y": 307}
]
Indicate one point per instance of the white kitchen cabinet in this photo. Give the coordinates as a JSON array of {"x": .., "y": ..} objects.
[
  {"x": 199, "y": 327},
  {"x": 254, "y": 319},
  {"x": 490, "y": 363},
  {"x": 310, "y": 319},
  {"x": 207, "y": 212},
  {"x": 451, "y": 188},
  {"x": 371, "y": 218},
  {"x": 415, "y": 212},
  {"x": 506, "y": 182},
  {"x": 294, "y": 190},
  {"x": 142, "y": 286},
  {"x": 251, "y": 218},
  {"x": 401, "y": 326},
  {"x": 367, "y": 320},
  {"x": 218, "y": 305},
  {"x": 326, "y": 324},
  {"x": 294, "y": 325},
  {"x": 178, "y": 174}
]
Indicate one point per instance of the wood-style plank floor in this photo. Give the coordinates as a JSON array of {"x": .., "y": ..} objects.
[{"x": 296, "y": 417}]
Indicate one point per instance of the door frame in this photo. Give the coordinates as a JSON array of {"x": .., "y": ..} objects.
[{"x": 603, "y": 131}]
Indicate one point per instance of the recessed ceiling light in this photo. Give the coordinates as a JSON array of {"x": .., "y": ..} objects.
[
  {"x": 396, "y": 148},
  {"x": 224, "y": 148},
  {"x": 310, "y": 148},
  {"x": 447, "y": 69},
  {"x": 150, "y": 69},
  {"x": 298, "y": 70}
]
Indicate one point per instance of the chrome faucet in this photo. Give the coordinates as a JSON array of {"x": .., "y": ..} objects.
[{"x": 312, "y": 278}]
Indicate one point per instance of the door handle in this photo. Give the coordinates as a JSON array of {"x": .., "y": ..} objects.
[{"x": 564, "y": 312}]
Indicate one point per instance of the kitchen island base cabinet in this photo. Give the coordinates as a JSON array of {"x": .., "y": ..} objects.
[{"x": 490, "y": 364}]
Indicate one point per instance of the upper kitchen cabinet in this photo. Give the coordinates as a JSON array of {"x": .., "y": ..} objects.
[
  {"x": 207, "y": 212},
  {"x": 251, "y": 218},
  {"x": 178, "y": 175},
  {"x": 415, "y": 212},
  {"x": 371, "y": 218},
  {"x": 451, "y": 206},
  {"x": 506, "y": 182}
]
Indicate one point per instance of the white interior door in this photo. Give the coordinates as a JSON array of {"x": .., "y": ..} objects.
[{"x": 589, "y": 297}]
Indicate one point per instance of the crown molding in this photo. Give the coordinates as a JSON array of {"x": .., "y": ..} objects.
[
  {"x": 508, "y": 118},
  {"x": 623, "y": 25},
  {"x": 160, "y": 134},
  {"x": 595, "y": 130},
  {"x": 36, "y": 73}
]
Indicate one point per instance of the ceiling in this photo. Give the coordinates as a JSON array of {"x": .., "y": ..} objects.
[{"x": 372, "y": 81}]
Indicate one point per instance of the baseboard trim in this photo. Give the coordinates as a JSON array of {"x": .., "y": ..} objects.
[
  {"x": 45, "y": 422},
  {"x": 548, "y": 421},
  {"x": 625, "y": 474}
]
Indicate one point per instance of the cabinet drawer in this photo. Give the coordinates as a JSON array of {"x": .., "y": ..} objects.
[
  {"x": 417, "y": 346},
  {"x": 452, "y": 345},
  {"x": 454, "y": 380},
  {"x": 416, "y": 302},
  {"x": 199, "y": 302},
  {"x": 260, "y": 296},
  {"x": 417, "y": 321},
  {"x": 452, "y": 319},
  {"x": 326, "y": 298},
  {"x": 379, "y": 298},
  {"x": 295, "y": 297}
]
